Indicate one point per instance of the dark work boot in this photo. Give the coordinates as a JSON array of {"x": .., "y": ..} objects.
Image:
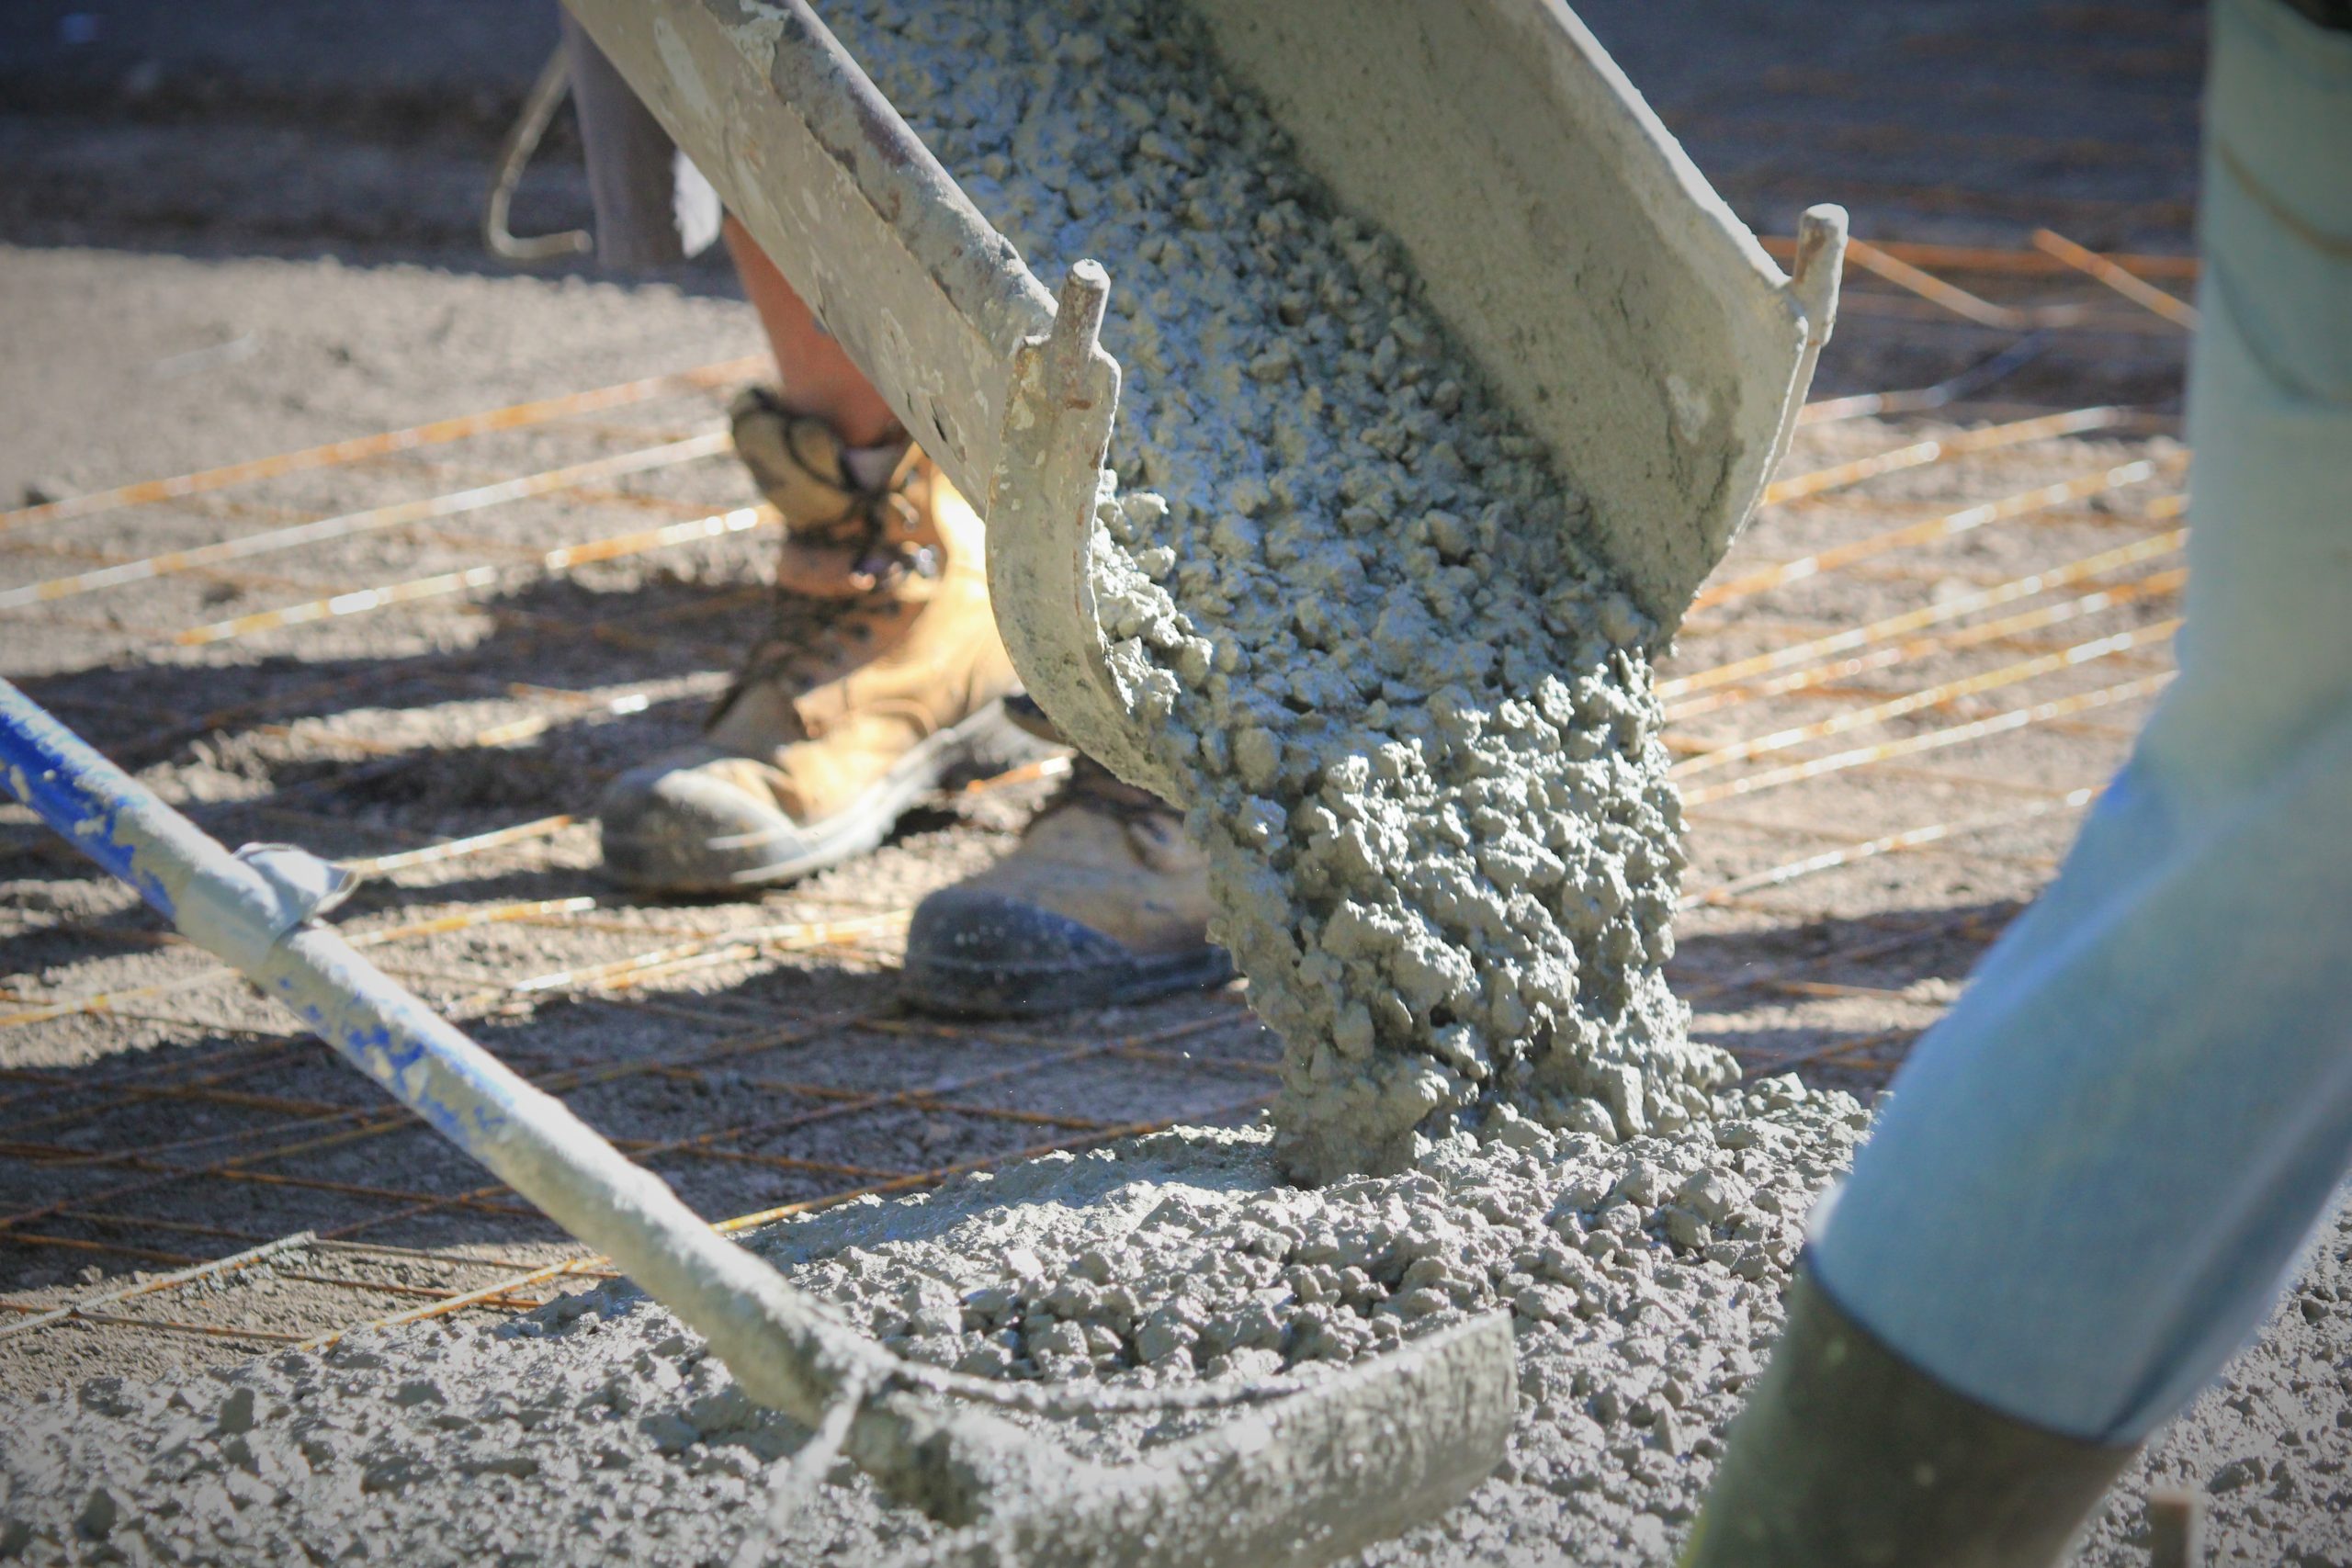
[{"x": 1105, "y": 901}]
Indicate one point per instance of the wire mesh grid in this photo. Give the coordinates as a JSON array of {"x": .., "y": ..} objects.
[{"x": 1931, "y": 647}]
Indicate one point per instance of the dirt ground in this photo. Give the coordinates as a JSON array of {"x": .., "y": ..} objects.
[{"x": 224, "y": 243}]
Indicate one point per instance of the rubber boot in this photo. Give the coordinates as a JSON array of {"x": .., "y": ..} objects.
[
  {"x": 881, "y": 672},
  {"x": 1105, "y": 901},
  {"x": 1848, "y": 1456}
]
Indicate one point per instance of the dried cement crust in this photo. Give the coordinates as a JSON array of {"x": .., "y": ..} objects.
[{"x": 1346, "y": 602}]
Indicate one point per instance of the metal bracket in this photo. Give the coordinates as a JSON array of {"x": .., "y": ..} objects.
[{"x": 243, "y": 918}]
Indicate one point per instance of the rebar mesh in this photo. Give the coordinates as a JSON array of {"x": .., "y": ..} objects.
[{"x": 1925, "y": 647}]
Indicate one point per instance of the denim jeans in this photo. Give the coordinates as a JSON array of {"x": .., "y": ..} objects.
[{"x": 2095, "y": 1176}]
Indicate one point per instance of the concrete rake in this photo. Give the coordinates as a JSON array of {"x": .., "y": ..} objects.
[{"x": 1306, "y": 1474}]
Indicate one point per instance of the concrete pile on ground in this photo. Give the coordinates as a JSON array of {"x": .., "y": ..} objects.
[{"x": 1644, "y": 1279}]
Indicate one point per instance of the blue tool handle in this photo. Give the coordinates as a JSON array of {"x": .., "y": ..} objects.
[{"x": 82, "y": 796}]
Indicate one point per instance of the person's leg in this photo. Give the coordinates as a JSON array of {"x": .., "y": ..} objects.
[
  {"x": 2094, "y": 1176},
  {"x": 2131, "y": 1121},
  {"x": 817, "y": 375},
  {"x": 882, "y": 669}
]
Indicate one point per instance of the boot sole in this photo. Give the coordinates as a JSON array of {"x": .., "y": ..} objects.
[
  {"x": 965, "y": 989},
  {"x": 646, "y": 865}
]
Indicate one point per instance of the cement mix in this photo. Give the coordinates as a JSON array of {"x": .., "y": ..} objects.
[
  {"x": 1347, "y": 599},
  {"x": 1643, "y": 1278}
]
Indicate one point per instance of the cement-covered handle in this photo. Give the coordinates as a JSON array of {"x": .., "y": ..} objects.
[{"x": 1380, "y": 1446}]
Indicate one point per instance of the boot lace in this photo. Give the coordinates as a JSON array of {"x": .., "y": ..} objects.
[
  {"x": 808, "y": 632},
  {"x": 1090, "y": 787}
]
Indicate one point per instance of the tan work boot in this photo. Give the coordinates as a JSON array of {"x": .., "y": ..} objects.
[
  {"x": 1103, "y": 901},
  {"x": 882, "y": 671}
]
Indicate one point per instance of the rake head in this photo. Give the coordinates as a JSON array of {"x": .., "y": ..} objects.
[{"x": 1373, "y": 1451}]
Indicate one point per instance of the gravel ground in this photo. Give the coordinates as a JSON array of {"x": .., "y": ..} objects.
[{"x": 226, "y": 242}]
